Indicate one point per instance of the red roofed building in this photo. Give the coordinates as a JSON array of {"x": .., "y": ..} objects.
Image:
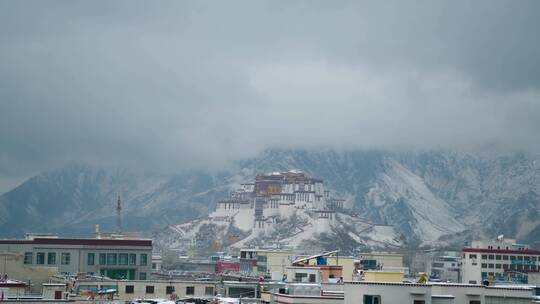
[
  {"x": 115, "y": 258},
  {"x": 498, "y": 260}
]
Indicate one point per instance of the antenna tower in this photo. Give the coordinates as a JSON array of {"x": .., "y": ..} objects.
[{"x": 119, "y": 214}]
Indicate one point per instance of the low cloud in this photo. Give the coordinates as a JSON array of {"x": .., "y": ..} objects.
[{"x": 196, "y": 84}]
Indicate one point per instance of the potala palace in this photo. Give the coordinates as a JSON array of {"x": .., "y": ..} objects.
[
  {"x": 277, "y": 195},
  {"x": 278, "y": 209}
]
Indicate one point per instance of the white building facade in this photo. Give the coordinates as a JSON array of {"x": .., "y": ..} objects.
[{"x": 498, "y": 260}]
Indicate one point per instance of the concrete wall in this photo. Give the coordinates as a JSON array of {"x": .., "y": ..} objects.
[
  {"x": 12, "y": 264},
  {"x": 383, "y": 276}
]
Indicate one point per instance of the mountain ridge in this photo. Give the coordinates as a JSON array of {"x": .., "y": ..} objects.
[{"x": 470, "y": 195}]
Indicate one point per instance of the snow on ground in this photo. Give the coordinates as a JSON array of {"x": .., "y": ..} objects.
[{"x": 309, "y": 232}]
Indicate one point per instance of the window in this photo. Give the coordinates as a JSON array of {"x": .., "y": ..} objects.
[
  {"x": 312, "y": 278},
  {"x": 190, "y": 290},
  {"x": 144, "y": 259},
  {"x": 102, "y": 259},
  {"x": 419, "y": 302},
  {"x": 261, "y": 269},
  {"x": 130, "y": 288},
  {"x": 209, "y": 291},
  {"x": 505, "y": 258},
  {"x": 497, "y": 257},
  {"x": 169, "y": 290},
  {"x": 299, "y": 277},
  {"x": 261, "y": 258},
  {"x": 66, "y": 258},
  {"x": 132, "y": 259},
  {"x": 490, "y": 266},
  {"x": 369, "y": 299},
  {"x": 90, "y": 259},
  {"x": 123, "y": 259},
  {"x": 475, "y": 302},
  {"x": 40, "y": 258},
  {"x": 149, "y": 289},
  {"x": 472, "y": 256},
  {"x": 498, "y": 266},
  {"x": 142, "y": 276},
  {"x": 484, "y": 265},
  {"x": 154, "y": 265},
  {"x": 484, "y": 257},
  {"x": 491, "y": 256},
  {"x": 111, "y": 258},
  {"x": 51, "y": 258},
  {"x": 28, "y": 257}
]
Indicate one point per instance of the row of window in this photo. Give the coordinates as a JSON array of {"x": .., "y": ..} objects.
[
  {"x": 509, "y": 266},
  {"x": 503, "y": 257},
  {"x": 117, "y": 259},
  {"x": 376, "y": 299},
  {"x": 48, "y": 258},
  {"x": 190, "y": 290}
]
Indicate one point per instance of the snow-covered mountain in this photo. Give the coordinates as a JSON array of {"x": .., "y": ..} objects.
[{"x": 426, "y": 196}]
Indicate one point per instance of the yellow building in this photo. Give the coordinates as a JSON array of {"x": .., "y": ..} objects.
[
  {"x": 383, "y": 276},
  {"x": 382, "y": 261},
  {"x": 12, "y": 264},
  {"x": 265, "y": 261},
  {"x": 347, "y": 262}
]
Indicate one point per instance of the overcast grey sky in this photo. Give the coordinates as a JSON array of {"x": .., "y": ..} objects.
[{"x": 181, "y": 84}]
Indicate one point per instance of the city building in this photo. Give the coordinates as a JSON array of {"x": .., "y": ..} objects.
[
  {"x": 114, "y": 258},
  {"x": 433, "y": 293},
  {"x": 348, "y": 264},
  {"x": 12, "y": 265},
  {"x": 384, "y": 261},
  {"x": 315, "y": 269},
  {"x": 498, "y": 260},
  {"x": 307, "y": 283},
  {"x": 265, "y": 261},
  {"x": 128, "y": 290},
  {"x": 445, "y": 267}
]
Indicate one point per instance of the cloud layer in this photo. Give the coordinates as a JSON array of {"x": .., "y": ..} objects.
[{"x": 190, "y": 84}]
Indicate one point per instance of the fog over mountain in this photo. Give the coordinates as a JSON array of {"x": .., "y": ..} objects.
[
  {"x": 173, "y": 86},
  {"x": 436, "y": 197}
]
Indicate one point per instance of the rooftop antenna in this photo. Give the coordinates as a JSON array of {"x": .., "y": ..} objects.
[{"x": 119, "y": 214}]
